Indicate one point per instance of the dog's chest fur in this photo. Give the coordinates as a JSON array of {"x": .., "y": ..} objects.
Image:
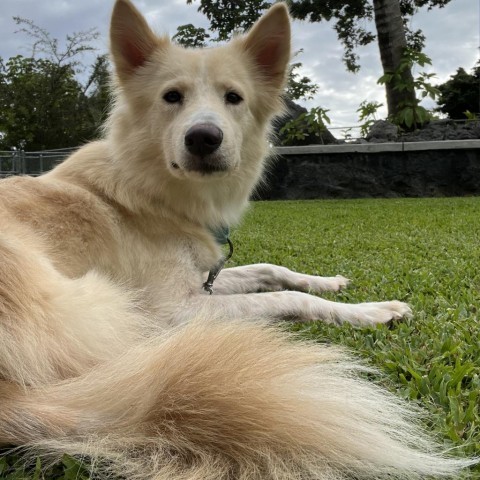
[{"x": 79, "y": 231}]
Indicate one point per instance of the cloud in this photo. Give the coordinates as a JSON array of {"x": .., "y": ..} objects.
[{"x": 452, "y": 42}]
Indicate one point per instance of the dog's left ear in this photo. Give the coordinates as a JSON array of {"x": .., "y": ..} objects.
[
  {"x": 132, "y": 41},
  {"x": 269, "y": 43}
]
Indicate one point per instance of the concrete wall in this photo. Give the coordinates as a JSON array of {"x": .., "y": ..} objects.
[{"x": 414, "y": 169}]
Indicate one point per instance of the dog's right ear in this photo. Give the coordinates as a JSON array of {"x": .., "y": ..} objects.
[
  {"x": 131, "y": 40},
  {"x": 269, "y": 44}
]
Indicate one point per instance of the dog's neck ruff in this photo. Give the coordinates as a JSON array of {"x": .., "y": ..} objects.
[{"x": 221, "y": 236}]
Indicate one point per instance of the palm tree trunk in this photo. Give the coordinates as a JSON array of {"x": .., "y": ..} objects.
[{"x": 392, "y": 43}]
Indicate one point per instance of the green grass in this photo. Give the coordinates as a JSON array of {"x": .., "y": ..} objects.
[{"x": 422, "y": 251}]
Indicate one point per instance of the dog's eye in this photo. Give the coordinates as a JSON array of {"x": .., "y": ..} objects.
[
  {"x": 233, "y": 98},
  {"x": 173, "y": 96}
]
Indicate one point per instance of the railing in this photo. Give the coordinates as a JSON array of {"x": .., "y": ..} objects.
[{"x": 18, "y": 162}]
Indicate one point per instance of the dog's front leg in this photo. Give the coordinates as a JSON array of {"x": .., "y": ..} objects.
[
  {"x": 264, "y": 277},
  {"x": 287, "y": 305}
]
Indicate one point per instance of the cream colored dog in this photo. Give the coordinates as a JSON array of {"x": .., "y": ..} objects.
[{"x": 110, "y": 344}]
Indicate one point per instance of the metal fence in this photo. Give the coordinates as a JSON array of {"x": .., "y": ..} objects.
[{"x": 18, "y": 162}]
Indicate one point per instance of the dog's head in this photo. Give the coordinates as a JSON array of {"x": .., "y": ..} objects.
[{"x": 205, "y": 111}]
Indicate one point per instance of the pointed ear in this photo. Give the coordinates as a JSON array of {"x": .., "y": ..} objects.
[
  {"x": 131, "y": 39},
  {"x": 269, "y": 43}
]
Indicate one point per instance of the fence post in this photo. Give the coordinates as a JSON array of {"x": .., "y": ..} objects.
[{"x": 22, "y": 156}]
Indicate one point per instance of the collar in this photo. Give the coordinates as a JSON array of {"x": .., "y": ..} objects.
[{"x": 221, "y": 234}]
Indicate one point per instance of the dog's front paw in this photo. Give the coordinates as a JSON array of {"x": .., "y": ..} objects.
[
  {"x": 327, "y": 284},
  {"x": 339, "y": 283},
  {"x": 372, "y": 313}
]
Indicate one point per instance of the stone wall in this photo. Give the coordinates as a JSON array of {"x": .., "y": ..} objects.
[{"x": 388, "y": 170}]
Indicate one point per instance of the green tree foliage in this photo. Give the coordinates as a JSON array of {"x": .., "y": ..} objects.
[
  {"x": 353, "y": 17},
  {"x": 43, "y": 104},
  {"x": 299, "y": 86},
  {"x": 310, "y": 123},
  {"x": 229, "y": 16},
  {"x": 460, "y": 94},
  {"x": 409, "y": 114},
  {"x": 191, "y": 36},
  {"x": 98, "y": 91},
  {"x": 367, "y": 114},
  {"x": 349, "y": 24}
]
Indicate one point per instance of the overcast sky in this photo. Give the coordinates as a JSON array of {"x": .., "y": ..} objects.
[{"x": 452, "y": 41}]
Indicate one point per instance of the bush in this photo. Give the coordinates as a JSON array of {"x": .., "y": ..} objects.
[{"x": 460, "y": 94}]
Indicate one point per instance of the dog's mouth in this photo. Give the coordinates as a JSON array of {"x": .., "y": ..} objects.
[{"x": 201, "y": 165}]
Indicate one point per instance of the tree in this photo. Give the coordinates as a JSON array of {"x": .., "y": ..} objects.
[
  {"x": 299, "y": 87},
  {"x": 98, "y": 90},
  {"x": 461, "y": 93},
  {"x": 393, "y": 36},
  {"x": 43, "y": 102},
  {"x": 392, "y": 43},
  {"x": 229, "y": 16},
  {"x": 191, "y": 36}
]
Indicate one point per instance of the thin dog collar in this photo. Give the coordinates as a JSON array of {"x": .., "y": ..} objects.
[{"x": 221, "y": 234}]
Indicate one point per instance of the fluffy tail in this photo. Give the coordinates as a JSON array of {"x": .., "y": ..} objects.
[{"x": 229, "y": 401}]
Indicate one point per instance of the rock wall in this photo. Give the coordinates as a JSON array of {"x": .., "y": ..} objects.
[{"x": 359, "y": 174}]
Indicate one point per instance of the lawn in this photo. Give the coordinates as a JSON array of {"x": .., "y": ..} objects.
[{"x": 422, "y": 251}]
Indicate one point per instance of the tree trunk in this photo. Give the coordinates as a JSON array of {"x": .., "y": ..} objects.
[{"x": 392, "y": 42}]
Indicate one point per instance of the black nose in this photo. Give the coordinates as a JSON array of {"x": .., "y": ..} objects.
[{"x": 203, "y": 139}]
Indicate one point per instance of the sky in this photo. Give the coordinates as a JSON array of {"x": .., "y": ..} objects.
[{"x": 452, "y": 41}]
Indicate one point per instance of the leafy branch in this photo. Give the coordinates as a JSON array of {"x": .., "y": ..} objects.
[
  {"x": 306, "y": 124},
  {"x": 411, "y": 114},
  {"x": 368, "y": 115}
]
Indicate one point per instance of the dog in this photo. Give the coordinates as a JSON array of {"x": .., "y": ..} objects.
[{"x": 122, "y": 338}]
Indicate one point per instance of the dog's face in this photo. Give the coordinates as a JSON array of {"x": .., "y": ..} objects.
[
  {"x": 202, "y": 110},
  {"x": 204, "y": 107}
]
